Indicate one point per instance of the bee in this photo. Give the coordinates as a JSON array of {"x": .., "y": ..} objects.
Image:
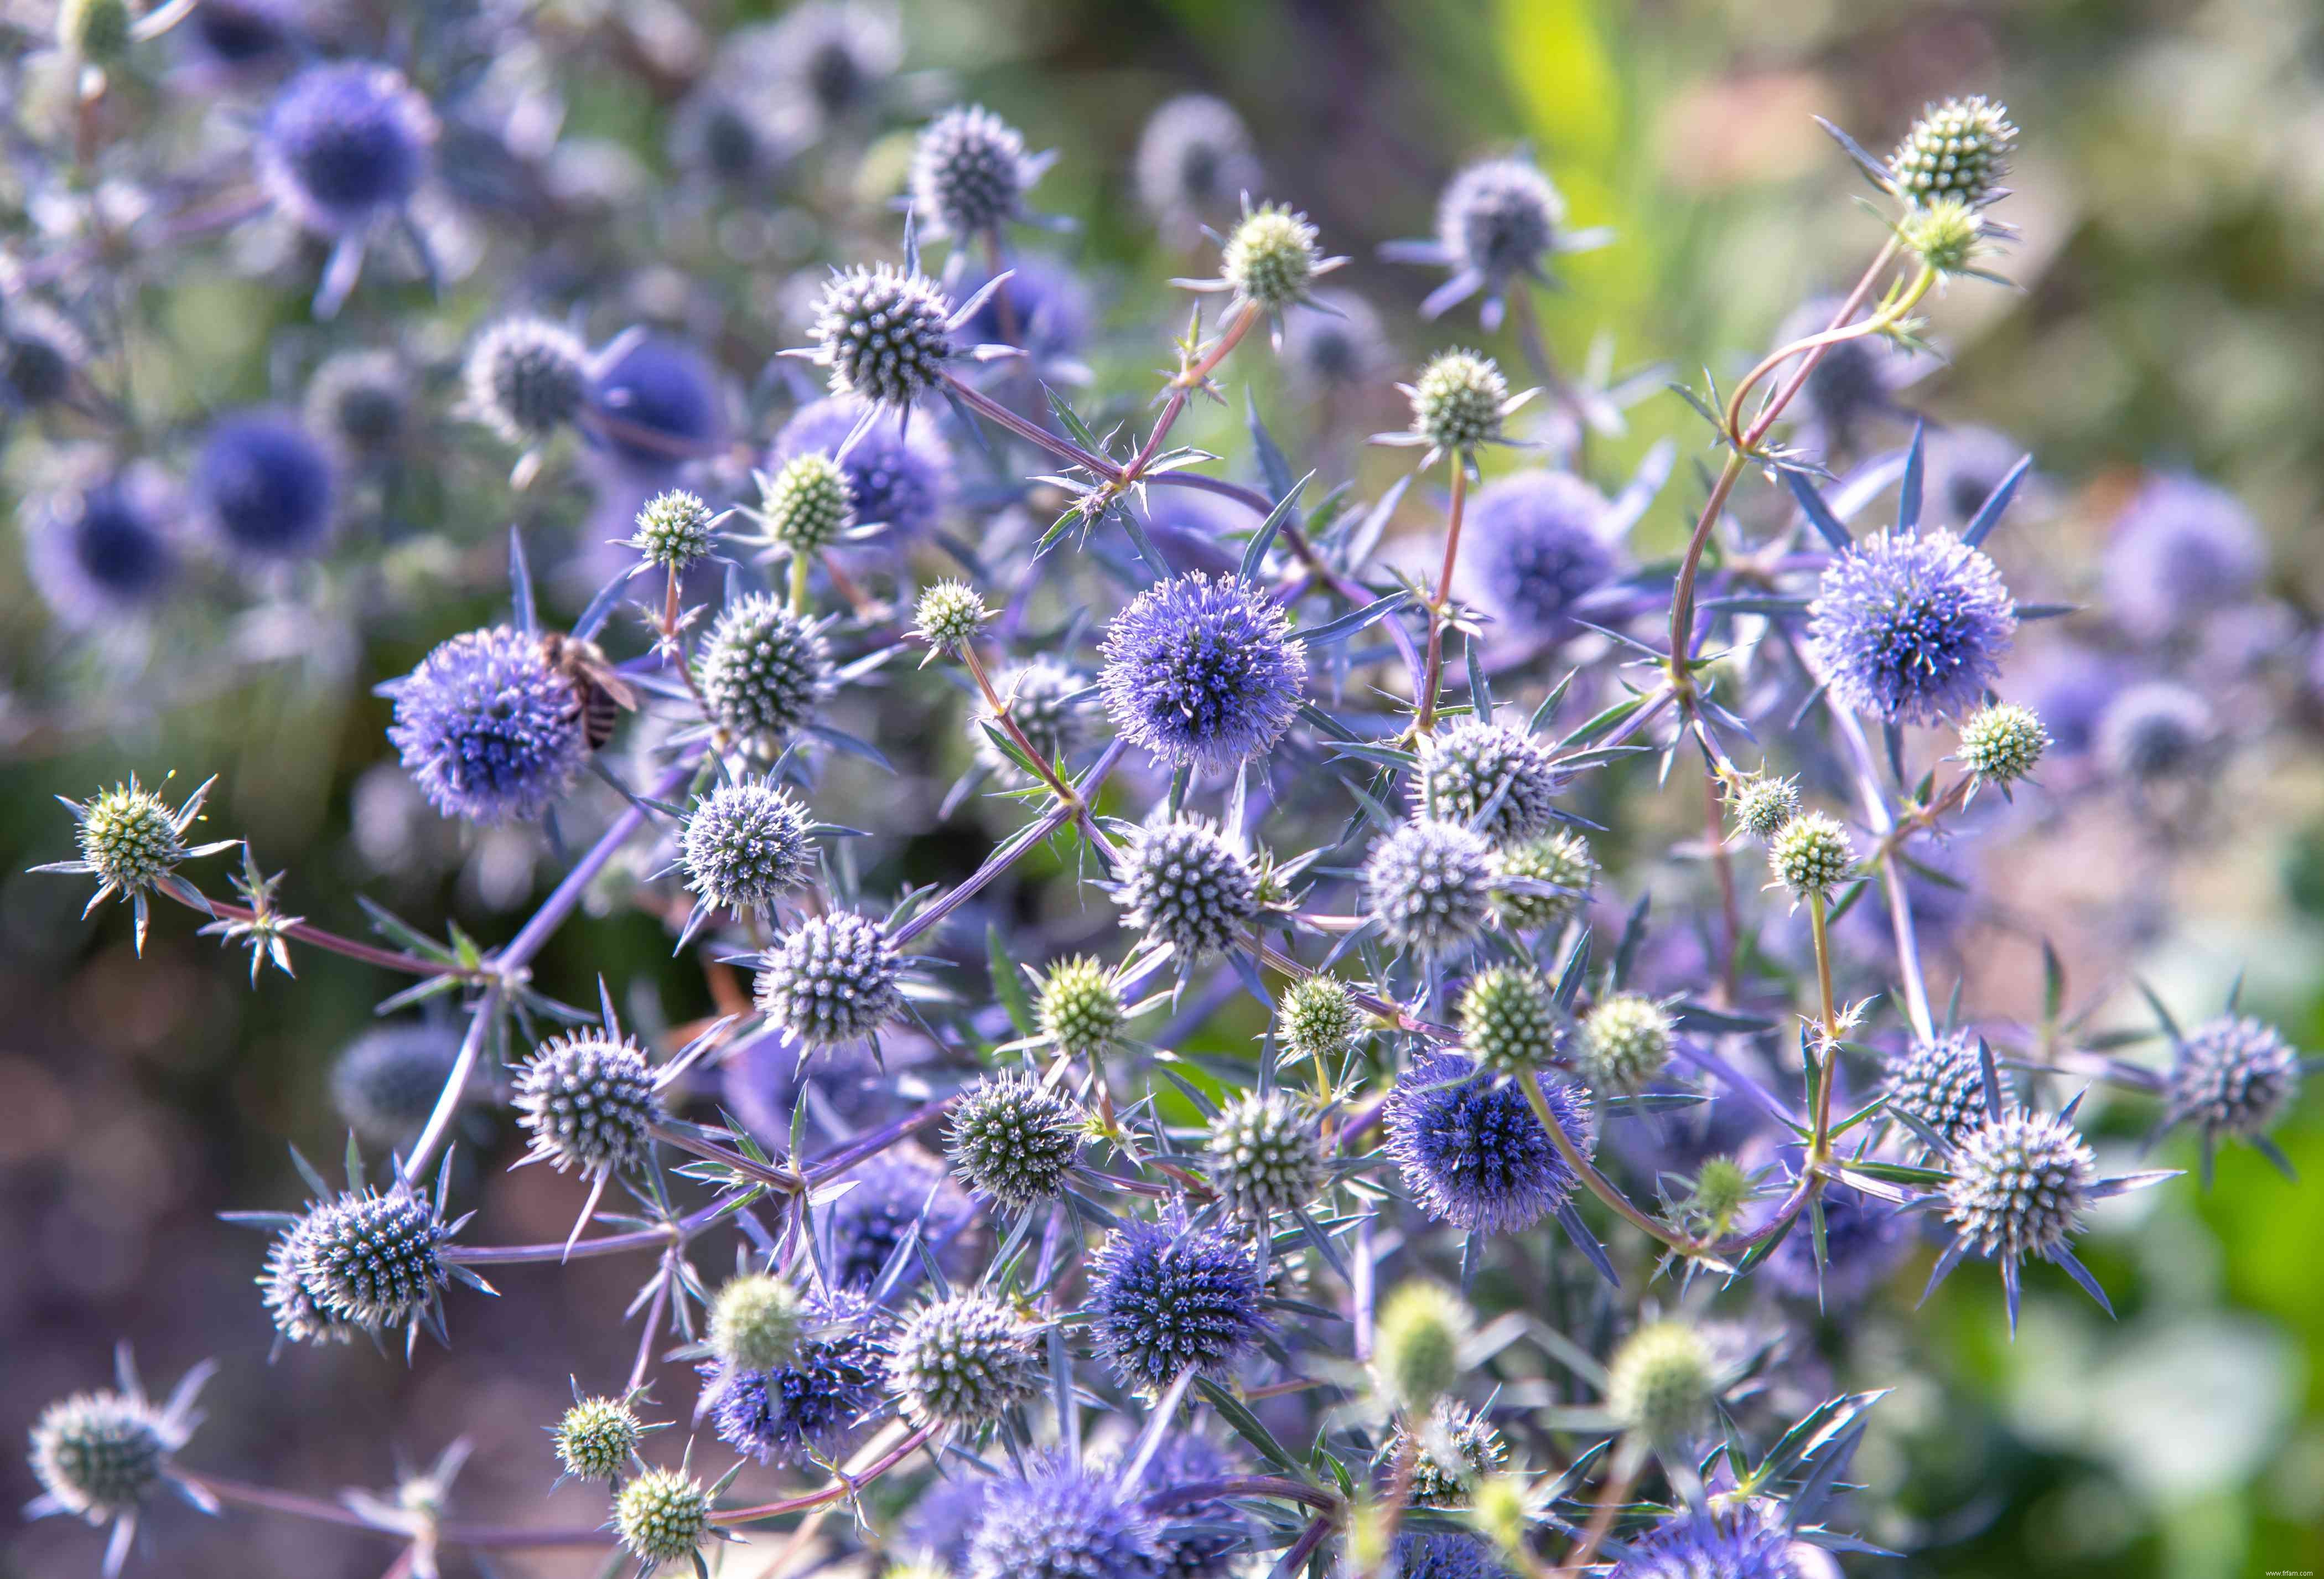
[{"x": 600, "y": 694}]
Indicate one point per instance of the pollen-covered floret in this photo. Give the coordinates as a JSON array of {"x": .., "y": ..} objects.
[
  {"x": 1455, "y": 1448},
  {"x": 1910, "y": 626},
  {"x": 1811, "y": 855},
  {"x": 1624, "y": 1042},
  {"x": 1079, "y": 1008},
  {"x": 1165, "y": 1298},
  {"x": 663, "y": 1516},
  {"x": 963, "y": 1361},
  {"x": 1203, "y": 672},
  {"x": 1760, "y": 805},
  {"x": 1429, "y": 884},
  {"x": 488, "y": 728},
  {"x": 1539, "y": 883},
  {"x": 969, "y": 171},
  {"x": 590, "y": 1101},
  {"x": 808, "y": 504},
  {"x": 526, "y": 377},
  {"x": 746, "y": 846},
  {"x": 948, "y": 616},
  {"x": 597, "y": 1438},
  {"x": 1471, "y": 765},
  {"x": 2233, "y": 1076},
  {"x": 1271, "y": 257},
  {"x": 1182, "y": 884},
  {"x": 1014, "y": 1140},
  {"x": 883, "y": 333},
  {"x": 1661, "y": 1382},
  {"x": 1458, "y": 400},
  {"x": 2020, "y": 1185},
  {"x": 1265, "y": 1155},
  {"x": 831, "y": 979},
  {"x": 1508, "y": 1020},
  {"x": 1957, "y": 149},
  {"x": 675, "y": 529},
  {"x": 764, "y": 671}
]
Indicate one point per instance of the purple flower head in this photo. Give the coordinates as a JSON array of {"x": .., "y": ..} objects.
[
  {"x": 1042, "y": 307},
  {"x": 1062, "y": 1522},
  {"x": 1445, "y": 1556},
  {"x": 2181, "y": 549},
  {"x": 344, "y": 145},
  {"x": 1733, "y": 1545},
  {"x": 1186, "y": 1551},
  {"x": 1539, "y": 548},
  {"x": 1335, "y": 341},
  {"x": 2155, "y": 730},
  {"x": 943, "y": 1522},
  {"x": 831, "y": 56},
  {"x": 1195, "y": 161},
  {"x": 902, "y": 476},
  {"x": 40, "y": 355},
  {"x": 1168, "y": 1297},
  {"x": 100, "y": 553},
  {"x": 1855, "y": 383},
  {"x": 893, "y": 1191},
  {"x": 242, "y": 37},
  {"x": 1203, "y": 671},
  {"x": 655, "y": 404},
  {"x": 808, "y": 1406},
  {"x": 729, "y": 132},
  {"x": 486, "y": 728},
  {"x": 1470, "y": 1149},
  {"x": 2069, "y": 687},
  {"x": 1863, "y": 1240},
  {"x": 970, "y": 171},
  {"x": 1910, "y": 627},
  {"x": 265, "y": 486}
]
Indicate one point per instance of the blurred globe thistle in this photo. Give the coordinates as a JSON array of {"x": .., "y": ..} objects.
[
  {"x": 1334, "y": 343},
  {"x": 756, "y": 1321},
  {"x": 1182, "y": 884},
  {"x": 1454, "y": 1449},
  {"x": 764, "y": 670},
  {"x": 1194, "y": 163},
  {"x": 131, "y": 840},
  {"x": 263, "y": 486},
  {"x": 1014, "y": 1140},
  {"x": 884, "y": 334},
  {"x": 1264, "y": 1155},
  {"x": 99, "y": 1456},
  {"x": 663, "y": 1517},
  {"x": 1061, "y": 1522},
  {"x": 590, "y": 1101},
  {"x": 2159, "y": 729},
  {"x": 2231, "y": 1077},
  {"x": 804, "y": 1407},
  {"x": 830, "y": 979},
  {"x": 1420, "y": 1556},
  {"x": 1910, "y": 627},
  {"x": 1734, "y": 1545},
  {"x": 1498, "y": 221},
  {"x": 362, "y": 402},
  {"x": 2181, "y": 549},
  {"x": 1853, "y": 385},
  {"x": 1318, "y": 1018},
  {"x": 1042, "y": 307},
  {"x": 385, "y": 1083},
  {"x": 41, "y": 353},
  {"x": 652, "y": 404},
  {"x": 902, "y": 477},
  {"x": 1508, "y": 1020},
  {"x": 1429, "y": 884},
  {"x": 962, "y": 1362},
  {"x": 1045, "y": 701},
  {"x": 370, "y": 1260},
  {"x": 1416, "y": 1353},
  {"x": 1625, "y": 1043},
  {"x": 1957, "y": 149},
  {"x": 1536, "y": 546},
  {"x": 525, "y": 378},
  {"x": 1203, "y": 671},
  {"x": 237, "y": 39},
  {"x": 893, "y": 1192},
  {"x": 1167, "y": 1299},
  {"x": 1471, "y": 763},
  {"x": 1812, "y": 854},
  {"x": 1195, "y": 529},
  {"x": 1470, "y": 1149},
  {"x": 2070, "y": 688},
  {"x": 105, "y": 552},
  {"x": 1760, "y": 805},
  {"x": 942, "y": 1524},
  {"x": 1271, "y": 259},
  {"x": 745, "y": 846},
  {"x": 597, "y": 1438},
  {"x": 730, "y": 130},
  {"x": 2002, "y": 742},
  {"x": 1540, "y": 883},
  {"x": 833, "y": 56},
  {"x": 488, "y": 728},
  {"x": 297, "y": 1315},
  {"x": 1940, "y": 1085},
  {"x": 1458, "y": 402},
  {"x": 948, "y": 616},
  {"x": 1863, "y": 1243},
  {"x": 345, "y": 144},
  {"x": 970, "y": 172},
  {"x": 676, "y": 531},
  {"x": 1661, "y": 1383},
  {"x": 1079, "y": 1008}
]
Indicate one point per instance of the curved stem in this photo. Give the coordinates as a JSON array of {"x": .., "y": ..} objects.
[
  {"x": 846, "y": 1486},
  {"x": 438, "y": 1128},
  {"x": 1602, "y": 1186},
  {"x": 331, "y": 942},
  {"x": 1426, "y": 699}
]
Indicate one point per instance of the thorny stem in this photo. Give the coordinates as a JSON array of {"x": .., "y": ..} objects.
[
  {"x": 774, "y": 1178},
  {"x": 1890, "y": 833},
  {"x": 474, "y": 1537},
  {"x": 1604, "y": 1188},
  {"x": 1001, "y": 716},
  {"x": 843, "y": 1487},
  {"x": 1295, "y": 1555},
  {"x": 1443, "y": 600},
  {"x": 331, "y": 942},
  {"x": 1032, "y": 834}
]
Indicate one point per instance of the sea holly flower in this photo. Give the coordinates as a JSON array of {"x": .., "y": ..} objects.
[
  {"x": 1497, "y": 223},
  {"x": 1909, "y": 627},
  {"x": 343, "y": 149},
  {"x": 1204, "y": 672},
  {"x": 970, "y": 172},
  {"x": 99, "y": 1456},
  {"x": 131, "y": 843},
  {"x": 1194, "y": 163}
]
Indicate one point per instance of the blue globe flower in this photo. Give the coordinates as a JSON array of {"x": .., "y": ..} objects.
[
  {"x": 893, "y": 1191},
  {"x": 1165, "y": 1300},
  {"x": 1863, "y": 1240},
  {"x": 486, "y": 728},
  {"x": 1910, "y": 627},
  {"x": 1539, "y": 548},
  {"x": 1733, "y": 1545},
  {"x": 654, "y": 405},
  {"x": 2180, "y": 548},
  {"x": 103, "y": 552},
  {"x": 242, "y": 37},
  {"x": 1203, "y": 671},
  {"x": 808, "y": 1406},
  {"x": 1445, "y": 1556},
  {"x": 1042, "y": 308},
  {"x": 1470, "y": 1149},
  {"x": 1062, "y": 1522},
  {"x": 943, "y": 1522},
  {"x": 265, "y": 486},
  {"x": 344, "y": 145},
  {"x": 902, "y": 476}
]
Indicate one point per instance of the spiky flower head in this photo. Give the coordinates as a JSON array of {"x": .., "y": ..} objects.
[
  {"x": 1194, "y": 160},
  {"x": 130, "y": 841},
  {"x": 1449, "y": 1556},
  {"x": 1429, "y": 885},
  {"x": 1760, "y": 805},
  {"x": 1541, "y": 546},
  {"x": 1911, "y": 626},
  {"x": 1538, "y": 883},
  {"x": 663, "y": 1516},
  {"x": 2003, "y": 741},
  {"x": 885, "y": 334},
  {"x": 948, "y": 616},
  {"x": 969, "y": 171},
  {"x": 597, "y": 1438},
  {"x": 2233, "y": 1076},
  {"x": 1947, "y": 235},
  {"x": 297, "y": 1315},
  {"x": 370, "y": 1260},
  {"x": 1940, "y": 1083},
  {"x": 1335, "y": 343},
  {"x": 1458, "y": 401},
  {"x": 764, "y": 671},
  {"x": 1264, "y": 1155},
  {"x": 1624, "y": 1042},
  {"x": 1957, "y": 149},
  {"x": 1165, "y": 1298},
  {"x": 1811, "y": 855},
  {"x": 755, "y": 1322},
  {"x": 962, "y": 1362},
  {"x": 343, "y": 144},
  {"x": 2020, "y": 1185},
  {"x": 106, "y": 551},
  {"x": 1318, "y": 1017},
  {"x": 675, "y": 531},
  {"x": 265, "y": 486},
  {"x": 805, "y": 1406},
  {"x": 1508, "y": 1020},
  {"x": 1661, "y": 1382},
  {"x": 1014, "y": 1140},
  {"x": 746, "y": 846},
  {"x": 899, "y": 474},
  {"x": 1499, "y": 218},
  {"x": 526, "y": 377},
  {"x": 98, "y": 1455},
  {"x": 807, "y": 505},
  {"x": 362, "y": 402},
  {"x": 1416, "y": 1348},
  {"x": 590, "y": 1101},
  {"x": 1079, "y": 1008},
  {"x": 830, "y": 979},
  {"x": 1471, "y": 764},
  {"x": 2180, "y": 549},
  {"x": 488, "y": 728},
  {"x": 1271, "y": 258},
  {"x": 1470, "y": 1149},
  {"x": 1060, "y": 1521},
  {"x": 1740, "y": 1544},
  {"x": 1203, "y": 672},
  {"x": 1182, "y": 884},
  {"x": 1455, "y": 1448},
  {"x": 385, "y": 1083},
  {"x": 1045, "y": 699},
  {"x": 833, "y": 55},
  {"x": 2155, "y": 730}
]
